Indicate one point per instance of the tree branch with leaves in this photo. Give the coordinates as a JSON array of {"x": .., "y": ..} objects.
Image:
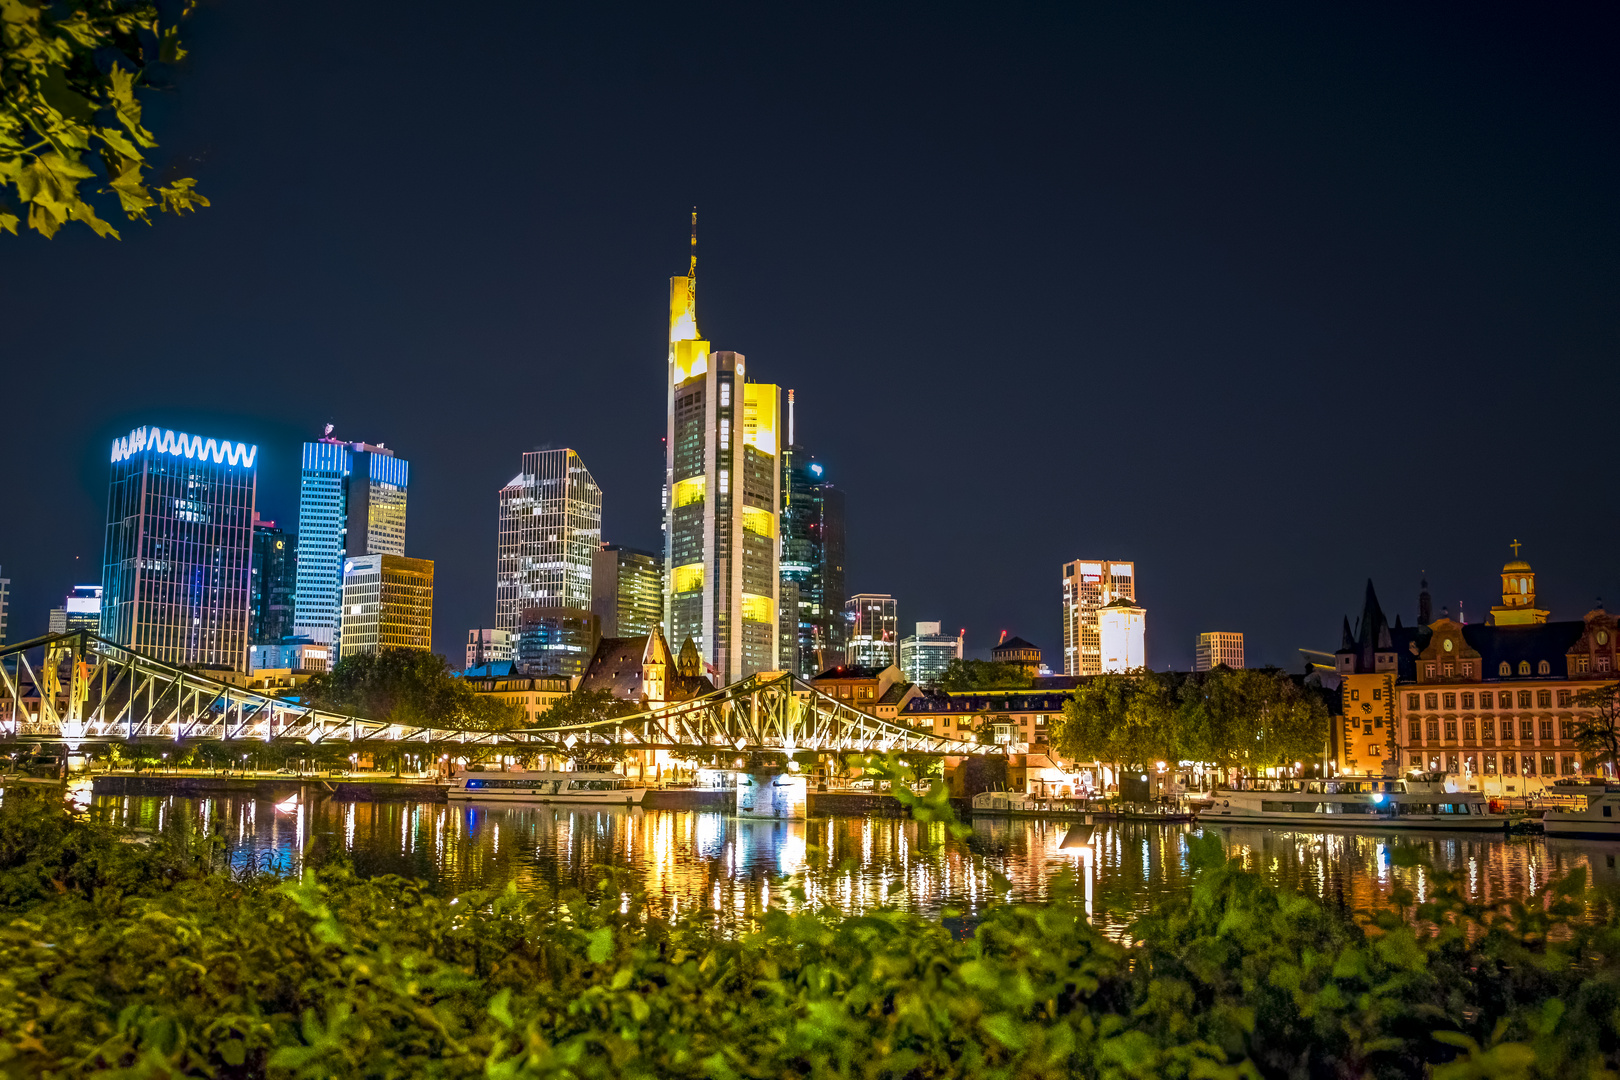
[{"x": 70, "y": 76}]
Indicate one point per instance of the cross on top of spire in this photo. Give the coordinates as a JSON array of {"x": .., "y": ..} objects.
[{"x": 1515, "y": 545}]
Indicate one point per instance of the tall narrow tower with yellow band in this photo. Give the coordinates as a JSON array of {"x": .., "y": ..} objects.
[{"x": 721, "y": 498}]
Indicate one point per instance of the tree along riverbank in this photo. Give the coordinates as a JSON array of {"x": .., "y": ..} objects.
[{"x": 160, "y": 959}]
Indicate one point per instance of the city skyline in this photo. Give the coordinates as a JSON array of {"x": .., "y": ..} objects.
[{"x": 1405, "y": 212}]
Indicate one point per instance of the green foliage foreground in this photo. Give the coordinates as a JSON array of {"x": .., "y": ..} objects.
[{"x": 152, "y": 961}]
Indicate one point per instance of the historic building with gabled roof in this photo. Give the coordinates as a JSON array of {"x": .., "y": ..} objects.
[{"x": 1492, "y": 705}]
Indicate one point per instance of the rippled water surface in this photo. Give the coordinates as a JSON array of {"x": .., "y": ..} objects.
[{"x": 686, "y": 859}]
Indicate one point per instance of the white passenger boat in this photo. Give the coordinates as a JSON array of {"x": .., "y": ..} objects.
[
  {"x": 1598, "y": 819},
  {"x": 590, "y": 788},
  {"x": 1420, "y": 802}
]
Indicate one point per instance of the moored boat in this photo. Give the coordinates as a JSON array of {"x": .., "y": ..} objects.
[
  {"x": 1372, "y": 802},
  {"x": 589, "y": 788},
  {"x": 1598, "y": 819}
]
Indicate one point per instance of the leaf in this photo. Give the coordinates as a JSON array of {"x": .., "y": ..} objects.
[
  {"x": 601, "y": 944},
  {"x": 233, "y": 1051}
]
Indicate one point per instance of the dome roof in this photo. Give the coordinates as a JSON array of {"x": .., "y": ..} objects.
[{"x": 1515, "y": 565}]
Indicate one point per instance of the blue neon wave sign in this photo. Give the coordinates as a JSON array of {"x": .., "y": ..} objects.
[{"x": 160, "y": 441}]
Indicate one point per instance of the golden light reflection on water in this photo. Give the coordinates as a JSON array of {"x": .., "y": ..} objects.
[{"x": 690, "y": 860}]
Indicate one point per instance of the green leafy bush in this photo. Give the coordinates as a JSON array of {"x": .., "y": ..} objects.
[{"x": 144, "y": 960}]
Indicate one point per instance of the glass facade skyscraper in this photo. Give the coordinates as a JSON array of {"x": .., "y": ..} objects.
[
  {"x": 549, "y": 533},
  {"x": 722, "y": 499},
  {"x": 275, "y": 566},
  {"x": 813, "y": 560},
  {"x": 627, "y": 591},
  {"x": 351, "y": 501},
  {"x": 873, "y": 630},
  {"x": 177, "y": 568}
]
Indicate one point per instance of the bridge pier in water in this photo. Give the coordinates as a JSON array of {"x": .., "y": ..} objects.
[{"x": 772, "y": 794}]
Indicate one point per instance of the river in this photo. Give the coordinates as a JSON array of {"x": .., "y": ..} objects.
[{"x": 688, "y": 859}]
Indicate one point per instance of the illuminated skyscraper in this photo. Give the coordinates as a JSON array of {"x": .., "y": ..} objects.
[
  {"x": 5, "y": 604},
  {"x": 874, "y": 639},
  {"x": 1216, "y": 648},
  {"x": 1089, "y": 586},
  {"x": 1122, "y": 636},
  {"x": 925, "y": 655},
  {"x": 722, "y": 499},
  {"x": 351, "y": 502},
  {"x": 275, "y": 576},
  {"x": 82, "y": 609},
  {"x": 550, "y": 530},
  {"x": 387, "y": 604},
  {"x": 627, "y": 591},
  {"x": 812, "y": 559},
  {"x": 176, "y": 576}
]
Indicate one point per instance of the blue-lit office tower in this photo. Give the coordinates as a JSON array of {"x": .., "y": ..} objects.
[
  {"x": 813, "y": 557},
  {"x": 179, "y": 547},
  {"x": 351, "y": 502}
]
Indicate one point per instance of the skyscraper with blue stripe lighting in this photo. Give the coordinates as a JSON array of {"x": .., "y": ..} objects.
[{"x": 351, "y": 501}]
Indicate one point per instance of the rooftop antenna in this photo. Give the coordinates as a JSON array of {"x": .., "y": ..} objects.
[
  {"x": 691, "y": 276},
  {"x": 790, "y": 419}
]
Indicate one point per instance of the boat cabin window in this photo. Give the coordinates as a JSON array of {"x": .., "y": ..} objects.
[
  {"x": 1608, "y": 811},
  {"x": 593, "y": 785}
]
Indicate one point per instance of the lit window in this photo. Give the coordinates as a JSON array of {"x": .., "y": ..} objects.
[
  {"x": 1504, "y": 669},
  {"x": 1544, "y": 668}
]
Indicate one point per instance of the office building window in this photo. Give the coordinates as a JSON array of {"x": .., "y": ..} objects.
[
  {"x": 1524, "y": 699},
  {"x": 1450, "y": 701},
  {"x": 1468, "y": 730},
  {"x": 1434, "y": 730},
  {"x": 1546, "y": 731},
  {"x": 1468, "y": 700},
  {"x": 1414, "y": 731},
  {"x": 1489, "y": 727},
  {"x": 1543, "y": 699},
  {"x": 1565, "y": 699},
  {"x": 1451, "y": 731},
  {"x": 1526, "y": 732},
  {"x": 1504, "y": 699}
]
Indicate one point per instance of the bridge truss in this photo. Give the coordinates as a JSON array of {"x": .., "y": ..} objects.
[
  {"x": 774, "y": 712},
  {"x": 115, "y": 693}
]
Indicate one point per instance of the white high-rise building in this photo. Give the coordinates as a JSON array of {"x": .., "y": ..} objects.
[
  {"x": 488, "y": 647},
  {"x": 1218, "y": 647},
  {"x": 926, "y": 654},
  {"x": 1088, "y": 586},
  {"x": 1122, "y": 636},
  {"x": 874, "y": 639},
  {"x": 550, "y": 531}
]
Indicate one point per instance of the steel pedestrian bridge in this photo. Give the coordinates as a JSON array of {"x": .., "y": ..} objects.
[{"x": 112, "y": 693}]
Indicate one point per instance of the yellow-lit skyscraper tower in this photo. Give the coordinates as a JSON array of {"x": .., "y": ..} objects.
[{"x": 722, "y": 499}]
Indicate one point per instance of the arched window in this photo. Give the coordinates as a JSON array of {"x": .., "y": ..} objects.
[
  {"x": 1524, "y": 667},
  {"x": 1544, "y": 668},
  {"x": 1505, "y": 670},
  {"x": 1524, "y": 585}
]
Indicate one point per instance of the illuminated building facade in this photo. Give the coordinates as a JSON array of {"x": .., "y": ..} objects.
[
  {"x": 275, "y": 578},
  {"x": 627, "y": 590},
  {"x": 1217, "y": 647},
  {"x": 351, "y": 501},
  {"x": 488, "y": 647},
  {"x": 81, "y": 610},
  {"x": 1089, "y": 585},
  {"x": 549, "y": 533},
  {"x": 1494, "y": 706},
  {"x": 290, "y": 655},
  {"x": 387, "y": 604},
  {"x": 872, "y": 623},
  {"x": 177, "y": 569},
  {"x": 722, "y": 499},
  {"x": 556, "y": 641},
  {"x": 1018, "y": 653},
  {"x": 926, "y": 654},
  {"x": 1122, "y": 636},
  {"x": 812, "y": 567}
]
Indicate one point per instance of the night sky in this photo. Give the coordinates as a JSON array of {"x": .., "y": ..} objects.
[{"x": 1270, "y": 298}]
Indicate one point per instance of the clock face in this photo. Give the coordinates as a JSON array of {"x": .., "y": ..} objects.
[
  {"x": 1603, "y": 637},
  {"x": 1446, "y": 645}
]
